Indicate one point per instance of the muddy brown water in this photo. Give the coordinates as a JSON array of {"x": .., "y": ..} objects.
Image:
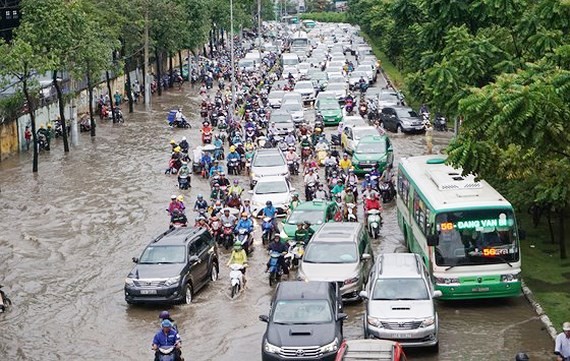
[{"x": 67, "y": 236}]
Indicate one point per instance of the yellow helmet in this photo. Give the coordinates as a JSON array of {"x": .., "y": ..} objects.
[
  {"x": 232, "y": 148},
  {"x": 42, "y": 126},
  {"x": 49, "y": 125},
  {"x": 317, "y": 130},
  {"x": 172, "y": 141},
  {"x": 180, "y": 198},
  {"x": 177, "y": 149}
]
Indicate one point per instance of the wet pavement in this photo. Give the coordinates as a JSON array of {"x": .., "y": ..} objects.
[{"x": 67, "y": 236}]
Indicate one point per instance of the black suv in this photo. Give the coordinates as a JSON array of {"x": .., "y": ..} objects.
[
  {"x": 173, "y": 267},
  {"x": 305, "y": 322}
]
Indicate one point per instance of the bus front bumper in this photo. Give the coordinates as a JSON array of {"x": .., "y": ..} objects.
[{"x": 482, "y": 290}]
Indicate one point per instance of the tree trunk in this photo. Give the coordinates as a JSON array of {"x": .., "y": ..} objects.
[
  {"x": 108, "y": 79},
  {"x": 180, "y": 61},
  {"x": 561, "y": 235},
  {"x": 158, "y": 74},
  {"x": 129, "y": 89},
  {"x": 32, "y": 112},
  {"x": 170, "y": 82},
  {"x": 143, "y": 89},
  {"x": 90, "y": 92},
  {"x": 61, "y": 112}
]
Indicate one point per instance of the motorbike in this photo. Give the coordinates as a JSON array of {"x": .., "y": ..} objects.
[
  {"x": 166, "y": 353},
  {"x": 173, "y": 166},
  {"x": 183, "y": 181},
  {"x": 5, "y": 302},
  {"x": 216, "y": 229},
  {"x": 311, "y": 188},
  {"x": 440, "y": 123},
  {"x": 204, "y": 112},
  {"x": 351, "y": 212},
  {"x": 236, "y": 278},
  {"x": 248, "y": 158},
  {"x": 363, "y": 110},
  {"x": 374, "y": 223},
  {"x": 349, "y": 107},
  {"x": 233, "y": 166},
  {"x": 244, "y": 237},
  {"x": 267, "y": 230},
  {"x": 250, "y": 133},
  {"x": 387, "y": 192},
  {"x": 322, "y": 154},
  {"x": 233, "y": 201},
  {"x": 293, "y": 167},
  {"x": 42, "y": 142},
  {"x": 306, "y": 153},
  {"x": 207, "y": 136},
  {"x": 275, "y": 271},
  {"x": 296, "y": 252},
  {"x": 227, "y": 235}
]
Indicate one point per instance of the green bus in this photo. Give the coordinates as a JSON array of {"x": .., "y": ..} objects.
[{"x": 464, "y": 229}]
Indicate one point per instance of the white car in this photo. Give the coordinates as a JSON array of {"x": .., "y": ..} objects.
[
  {"x": 303, "y": 68},
  {"x": 290, "y": 69},
  {"x": 275, "y": 97},
  {"x": 355, "y": 78},
  {"x": 306, "y": 89},
  {"x": 367, "y": 69},
  {"x": 278, "y": 190},
  {"x": 339, "y": 89},
  {"x": 295, "y": 109}
]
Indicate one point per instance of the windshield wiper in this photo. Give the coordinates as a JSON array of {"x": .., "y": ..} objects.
[{"x": 504, "y": 261}]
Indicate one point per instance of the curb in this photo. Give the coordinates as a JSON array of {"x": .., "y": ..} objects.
[{"x": 539, "y": 311}]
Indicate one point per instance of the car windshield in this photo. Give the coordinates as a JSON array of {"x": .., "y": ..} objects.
[
  {"x": 371, "y": 147},
  {"x": 163, "y": 254},
  {"x": 484, "y": 236},
  {"x": 358, "y": 74},
  {"x": 292, "y": 107},
  {"x": 330, "y": 105},
  {"x": 301, "y": 215},
  {"x": 406, "y": 113},
  {"x": 279, "y": 186},
  {"x": 359, "y": 133},
  {"x": 277, "y": 94},
  {"x": 400, "y": 289},
  {"x": 331, "y": 252},
  {"x": 268, "y": 160},
  {"x": 304, "y": 86},
  {"x": 281, "y": 118},
  {"x": 388, "y": 97},
  {"x": 302, "y": 311}
]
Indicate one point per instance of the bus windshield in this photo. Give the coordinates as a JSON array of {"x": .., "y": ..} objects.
[{"x": 475, "y": 237}]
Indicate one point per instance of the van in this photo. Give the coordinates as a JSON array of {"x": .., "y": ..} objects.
[
  {"x": 400, "y": 302},
  {"x": 341, "y": 253}
]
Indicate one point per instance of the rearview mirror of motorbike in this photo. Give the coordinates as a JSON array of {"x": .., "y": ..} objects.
[
  {"x": 194, "y": 259},
  {"x": 264, "y": 318},
  {"x": 433, "y": 240},
  {"x": 135, "y": 259}
]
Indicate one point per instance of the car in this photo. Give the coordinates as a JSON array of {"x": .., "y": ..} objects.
[
  {"x": 354, "y": 78},
  {"x": 267, "y": 163},
  {"x": 283, "y": 121},
  {"x": 330, "y": 110},
  {"x": 275, "y": 97},
  {"x": 372, "y": 151},
  {"x": 401, "y": 119},
  {"x": 337, "y": 78},
  {"x": 354, "y": 120},
  {"x": 291, "y": 97},
  {"x": 290, "y": 70},
  {"x": 317, "y": 212},
  {"x": 372, "y": 64},
  {"x": 340, "y": 89},
  {"x": 306, "y": 89},
  {"x": 351, "y": 135},
  {"x": 173, "y": 267},
  {"x": 388, "y": 98},
  {"x": 341, "y": 253},
  {"x": 275, "y": 189},
  {"x": 305, "y": 322},
  {"x": 400, "y": 301},
  {"x": 303, "y": 68},
  {"x": 367, "y": 69},
  {"x": 295, "y": 109},
  {"x": 371, "y": 350},
  {"x": 247, "y": 64},
  {"x": 319, "y": 80}
]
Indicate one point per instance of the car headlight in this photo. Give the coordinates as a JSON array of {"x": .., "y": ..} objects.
[
  {"x": 269, "y": 348},
  {"x": 331, "y": 347},
  {"x": 510, "y": 277},
  {"x": 351, "y": 281},
  {"x": 172, "y": 281},
  {"x": 373, "y": 321},
  {"x": 129, "y": 281},
  {"x": 446, "y": 281},
  {"x": 428, "y": 322}
]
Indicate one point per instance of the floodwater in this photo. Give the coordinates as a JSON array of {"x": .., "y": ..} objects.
[{"x": 67, "y": 236}]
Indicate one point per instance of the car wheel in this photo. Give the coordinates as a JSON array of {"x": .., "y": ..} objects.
[
  {"x": 435, "y": 348},
  {"x": 399, "y": 129},
  {"x": 188, "y": 296},
  {"x": 214, "y": 272}
]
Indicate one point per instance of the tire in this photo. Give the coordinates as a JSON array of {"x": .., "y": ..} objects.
[
  {"x": 399, "y": 129},
  {"x": 435, "y": 348},
  {"x": 214, "y": 272},
  {"x": 272, "y": 279},
  {"x": 235, "y": 290},
  {"x": 375, "y": 233},
  {"x": 188, "y": 296}
]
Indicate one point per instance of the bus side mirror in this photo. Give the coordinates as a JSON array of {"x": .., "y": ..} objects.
[
  {"x": 522, "y": 234},
  {"x": 432, "y": 240}
]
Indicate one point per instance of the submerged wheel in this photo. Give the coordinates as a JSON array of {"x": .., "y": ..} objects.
[
  {"x": 235, "y": 290},
  {"x": 271, "y": 280},
  {"x": 188, "y": 297},
  {"x": 214, "y": 272}
]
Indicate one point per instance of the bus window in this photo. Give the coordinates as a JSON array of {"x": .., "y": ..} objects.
[
  {"x": 403, "y": 187},
  {"x": 419, "y": 212}
]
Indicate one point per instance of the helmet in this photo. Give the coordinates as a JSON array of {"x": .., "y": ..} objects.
[
  {"x": 236, "y": 181},
  {"x": 222, "y": 174},
  {"x": 237, "y": 246},
  {"x": 307, "y": 223},
  {"x": 233, "y": 148},
  {"x": 246, "y": 200},
  {"x": 172, "y": 141},
  {"x": 216, "y": 185},
  {"x": 367, "y": 176},
  {"x": 295, "y": 195},
  {"x": 164, "y": 314},
  {"x": 521, "y": 356},
  {"x": 351, "y": 170},
  {"x": 177, "y": 150},
  {"x": 183, "y": 138},
  {"x": 180, "y": 198},
  {"x": 268, "y": 203},
  {"x": 317, "y": 130},
  {"x": 200, "y": 196},
  {"x": 244, "y": 214},
  {"x": 277, "y": 237},
  {"x": 49, "y": 125},
  {"x": 173, "y": 196}
]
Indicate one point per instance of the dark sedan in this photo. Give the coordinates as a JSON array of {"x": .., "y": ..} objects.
[{"x": 399, "y": 119}]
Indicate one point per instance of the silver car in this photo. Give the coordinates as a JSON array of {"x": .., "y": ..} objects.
[
  {"x": 341, "y": 253},
  {"x": 283, "y": 121},
  {"x": 400, "y": 301},
  {"x": 267, "y": 163},
  {"x": 295, "y": 109}
]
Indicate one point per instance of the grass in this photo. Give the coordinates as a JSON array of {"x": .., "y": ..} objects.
[{"x": 544, "y": 273}]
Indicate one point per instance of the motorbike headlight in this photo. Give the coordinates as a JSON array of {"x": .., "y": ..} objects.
[
  {"x": 269, "y": 348},
  {"x": 172, "y": 281},
  {"x": 428, "y": 322},
  {"x": 129, "y": 281},
  {"x": 331, "y": 347},
  {"x": 373, "y": 321}
]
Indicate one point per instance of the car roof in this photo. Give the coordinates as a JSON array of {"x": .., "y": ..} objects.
[
  {"x": 312, "y": 290},
  {"x": 177, "y": 236},
  {"x": 315, "y": 204},
  {"x": 337, "y": 232},
  {"x": 398, "y": 265},
  {"x": 271, "y": 179},
  {"x": 373, "y": 138}
]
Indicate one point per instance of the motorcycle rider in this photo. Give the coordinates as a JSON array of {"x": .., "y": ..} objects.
[
  {"x": 352, "y": 180},
  {"x": 165, "y": 337},
  {"x": 369, "y": 192},
  {"x": 200, "y": 203},
  {"x": 316, "y": 136},
  {"x": 279, "y": 247},
  {"x": 292, "y": 156},
  {"x": 233, "y": 155},
  {"x": 368, "y": 181},
  {"x": 321, "y": 193},
  {"x": 173, "y": 144},
  {"x": 371, "y": 202},
  {"x": 294, "y": 202},
  {"x": 165, "y": 315},
  {"x": 184, "y": 171},
  {"x": 239, "y": 256},
  {"x": 246, "y": 207},
  {"x": 311, "y": 177},
  {"x": 227, "y": 217},
  {"x": 178, "y": 217},
  {"x": 271, "y": 212},
  {"x": 321, "y": 144},
  {"x": 179, "y": 117},
  {"x": 338, "y": 188},
  {"x": 290, "y": 139},
  {"x": 174, "y": 205},
  {"x": 272, "y": 132},
  {"x": 202, "y": 222},
  {"x": 184, "y": 145},
  {"x": 217, "y": 193},
  {"x": 223, "y": 181},
  {"x": 345, "y": 163},
  {"x": 235, "y": 189},
  {"x": 216, "y": 168},
  {"x": 387, "y": 177}
]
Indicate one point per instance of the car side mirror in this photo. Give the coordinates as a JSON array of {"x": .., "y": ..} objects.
[
  {"x": 522, "y": 234},
  {"x": 437, "y": 294},
  {"x": 363, "y": 294},
  {"x": 341, "y": 316},
  {"x": 250, "y": 191},
  {"x": 366, "y": 257},
  {"x": 292, "y": 189},
  {"x": 433, "y": 240},
  {"x": 194, "y": 259},
  {"x": 264, "y": 318},
  {"x": 135, "y": 259}
]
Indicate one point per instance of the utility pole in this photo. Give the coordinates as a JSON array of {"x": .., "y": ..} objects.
[
  {"x": 232, "y": 104},
  {"x": 259, "y": 29},
  {"x": 147, "y": 79}
]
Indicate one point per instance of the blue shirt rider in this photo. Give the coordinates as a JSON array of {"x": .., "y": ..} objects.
[
  {"x": 233, "y": 155},
  {"x": 244, "y": 222},
  {"x": 368, "y": 181},
  {"x": 271, "y": 212},
  {"x": 201, "y": 203},
  {"x": 206, "y": 160},
  {"x": 166, "y": 336},
  {"x": 216, "y": 168}
]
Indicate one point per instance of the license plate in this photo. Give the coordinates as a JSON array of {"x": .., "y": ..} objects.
[
  {"x": 401, "y": 335},
  {"x": 148, "y": 292},
  {"x": 480, "y": 289}
]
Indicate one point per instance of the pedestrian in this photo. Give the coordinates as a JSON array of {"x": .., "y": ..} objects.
[
  {"x": 429, "y": 138},
  {"x": 562, "y": 343},
  {"x": 28, "y": 137},
  {"x": 118, "y": 98}
]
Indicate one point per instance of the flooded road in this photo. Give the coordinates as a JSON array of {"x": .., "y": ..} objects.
[{"x": 67, "y": 236}]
